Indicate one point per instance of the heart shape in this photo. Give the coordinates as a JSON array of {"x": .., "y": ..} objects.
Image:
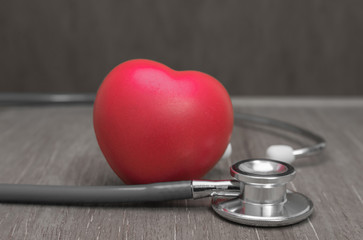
[{"x": 155, "y": 124}]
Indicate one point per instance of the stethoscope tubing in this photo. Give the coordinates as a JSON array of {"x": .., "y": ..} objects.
[{"x": 24, "y": 193}]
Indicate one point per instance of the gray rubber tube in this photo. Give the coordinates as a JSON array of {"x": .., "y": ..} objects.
[
  {"x": 125, "y": 193},
  {"x": 23, "y": 193}
]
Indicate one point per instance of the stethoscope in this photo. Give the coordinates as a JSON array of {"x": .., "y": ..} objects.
[{"x": 256, "y": 196}]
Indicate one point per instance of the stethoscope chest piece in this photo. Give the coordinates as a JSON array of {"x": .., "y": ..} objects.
[{"x": 264, "y": 199}]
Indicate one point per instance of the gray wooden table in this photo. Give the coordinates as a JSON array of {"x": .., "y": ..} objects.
[{"x": 56, "y": 145}]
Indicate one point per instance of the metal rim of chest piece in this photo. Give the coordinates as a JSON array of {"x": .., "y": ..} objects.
[{"x": 264, "y": 199}]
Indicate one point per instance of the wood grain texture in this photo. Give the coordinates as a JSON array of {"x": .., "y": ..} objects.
[
  {"x": 311, "y": 47},
  {"x": 56, "y": 145}
]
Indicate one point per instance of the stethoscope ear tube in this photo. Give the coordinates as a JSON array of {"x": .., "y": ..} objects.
[
  {"x": 320, "y": 142},
  {"x": 88, "y": 98}
]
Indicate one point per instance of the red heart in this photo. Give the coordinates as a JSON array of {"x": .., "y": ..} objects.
[{"x": 154, "y": 124}]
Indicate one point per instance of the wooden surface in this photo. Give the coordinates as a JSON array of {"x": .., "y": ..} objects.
[
  {"x": 253, "y": 47},
  {"x": 56, "y": 145}
]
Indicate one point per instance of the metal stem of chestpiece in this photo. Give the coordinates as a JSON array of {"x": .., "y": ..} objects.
[
  {"x": 208, "y": 188},
  {"x": 258, "y": 195}
]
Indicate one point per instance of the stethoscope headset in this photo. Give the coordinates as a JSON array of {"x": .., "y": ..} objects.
[{"x": 256, "y": 196}]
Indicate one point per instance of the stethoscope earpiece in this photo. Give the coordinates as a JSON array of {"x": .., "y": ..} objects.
[{"x": 264, "y": 199}]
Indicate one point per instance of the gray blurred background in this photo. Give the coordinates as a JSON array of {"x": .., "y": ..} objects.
[{"x": 309, "y": 47}]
